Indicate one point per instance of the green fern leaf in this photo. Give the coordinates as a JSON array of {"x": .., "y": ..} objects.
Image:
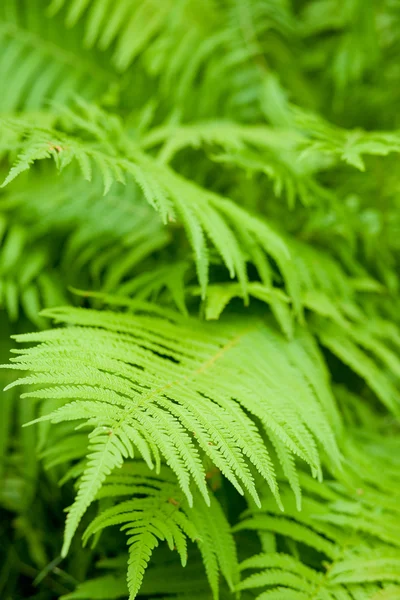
[{"x": 173, "y": 402}]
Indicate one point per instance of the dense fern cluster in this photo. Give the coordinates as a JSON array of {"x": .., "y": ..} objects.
[{"x": 200, "y": 225}]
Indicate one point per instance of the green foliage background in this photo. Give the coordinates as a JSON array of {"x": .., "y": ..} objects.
[{"x": 200, "y": 236}]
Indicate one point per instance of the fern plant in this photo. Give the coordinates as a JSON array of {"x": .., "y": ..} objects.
[{"x": 199, "y": 224}]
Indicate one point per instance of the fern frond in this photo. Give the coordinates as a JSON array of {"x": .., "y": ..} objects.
[
  {"x": 266, "y": 150},
  {"x": 158, "y": 511},
  {"x": 345, "y": 145},
  {"x": 329, "y": 512},
  {"x": 285, "y": 577},
  {"x": 148, "y": 388},
  {"x": 203, "y": 213},
  {"x": 338, "y": 520}
]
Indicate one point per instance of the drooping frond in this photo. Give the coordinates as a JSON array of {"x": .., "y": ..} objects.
[{"x": 236, "y": 235}]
